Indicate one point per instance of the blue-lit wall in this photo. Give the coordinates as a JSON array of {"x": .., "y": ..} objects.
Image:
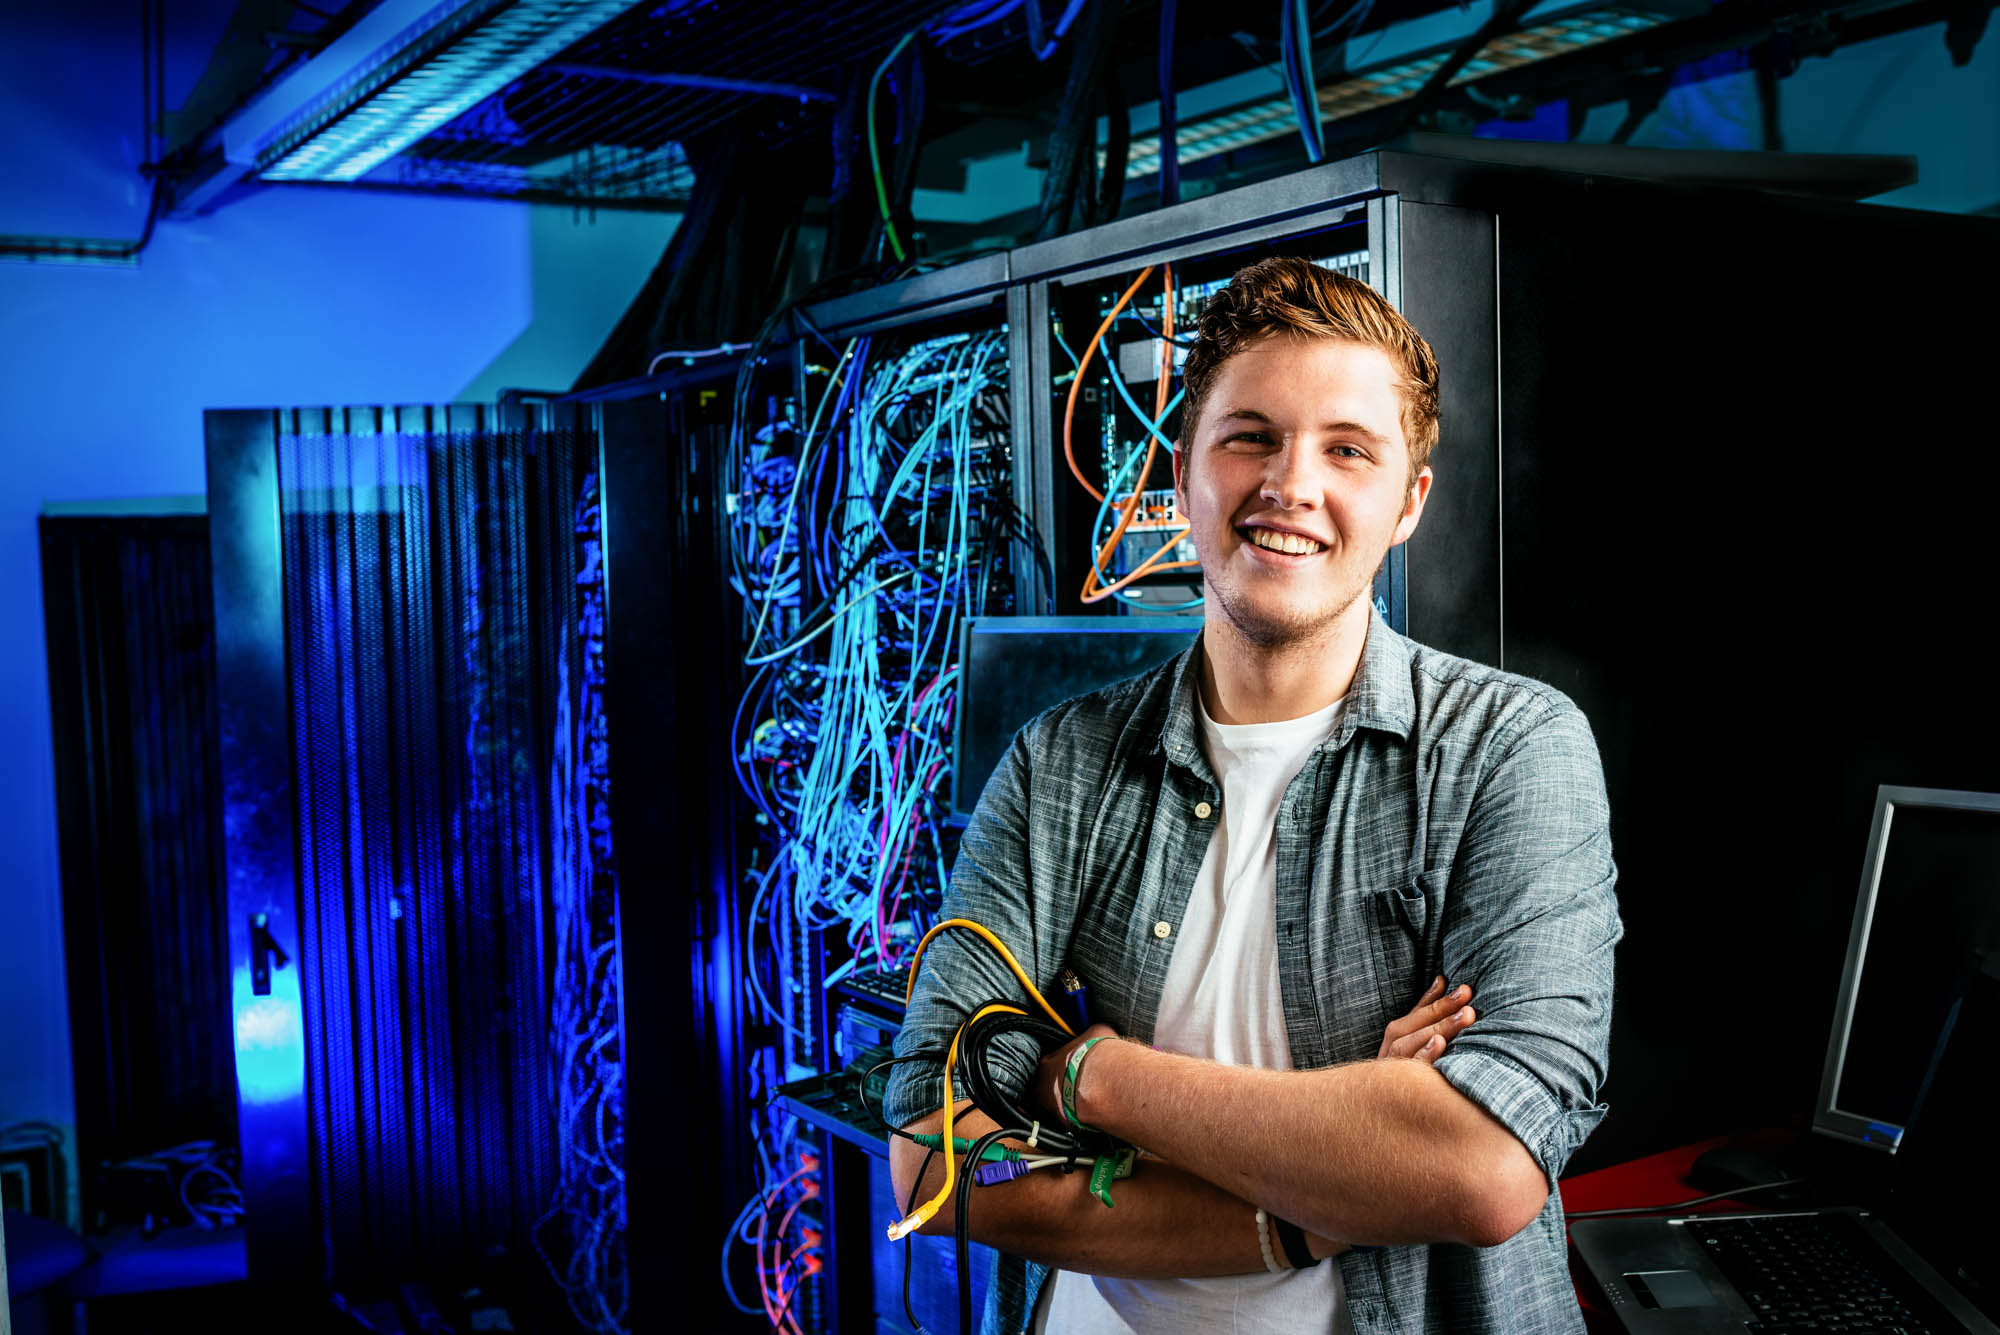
[{"x": 289, "y": 296}]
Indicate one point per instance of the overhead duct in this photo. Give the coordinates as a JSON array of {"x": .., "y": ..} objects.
[{"x": 407, "y": 69}]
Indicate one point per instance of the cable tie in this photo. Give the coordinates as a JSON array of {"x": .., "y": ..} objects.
[{"x": 1034, "y": 1135}]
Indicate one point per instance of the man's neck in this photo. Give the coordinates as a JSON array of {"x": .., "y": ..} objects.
[{"x": 1242, "y": 682}]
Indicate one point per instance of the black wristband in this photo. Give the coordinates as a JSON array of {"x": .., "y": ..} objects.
[{"x": 1293, "y": 1239}]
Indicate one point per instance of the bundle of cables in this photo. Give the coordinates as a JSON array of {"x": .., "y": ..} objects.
[
  {"x": 581, "y": 1235},
  {"x": 1295, "y": 42},
  {"x": 973, "y": 1055},
  {"x": 1098, "y": 585},
  {"x": 858, "y": 553},
  {"x": 784, "y": 1241}
]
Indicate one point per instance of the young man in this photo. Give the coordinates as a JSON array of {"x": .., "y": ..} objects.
[{"x": 1254, "y": 856}]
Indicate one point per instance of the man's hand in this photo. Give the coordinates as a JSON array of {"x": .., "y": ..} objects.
[{"x": 1436, "y": 1019}]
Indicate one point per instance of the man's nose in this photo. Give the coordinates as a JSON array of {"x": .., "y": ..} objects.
[{"x": 1290, "y": 477}]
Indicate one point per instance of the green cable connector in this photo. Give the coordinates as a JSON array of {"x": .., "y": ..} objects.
[{"x": 960, "y": 1145}]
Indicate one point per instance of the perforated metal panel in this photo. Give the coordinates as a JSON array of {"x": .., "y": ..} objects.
[{"x": 429, "y": 593}]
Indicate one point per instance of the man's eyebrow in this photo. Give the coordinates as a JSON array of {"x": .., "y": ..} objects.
[{"x": 1367, "y": 433}]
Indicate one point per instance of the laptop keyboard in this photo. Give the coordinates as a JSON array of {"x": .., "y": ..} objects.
[{"x": 1810, "y": 1273}]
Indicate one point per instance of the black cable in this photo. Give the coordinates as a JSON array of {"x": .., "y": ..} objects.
[
  {"x": 1170, "y": 148},
  {"x": 861, "y": 1094},
  {"x": 908, "y": 90},
  {"x": 1074, "y": 137},
  {"x": 909, "y": 1208},
  {"x": 797, "y": 1284},
  {"x": 116, "y": 254},
  {"x": 961, "y": 1234},
  {"x": 1504, "y": 18},
  {"x": 1642, "y": 99},
  {"x": 1149, "y": 327},
  {"x": 975, "y": 1044},
  {"x": 1103, "y": 203}
]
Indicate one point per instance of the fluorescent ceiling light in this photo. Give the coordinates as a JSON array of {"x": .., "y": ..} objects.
[
  {"x": 1393, "y": 82},
  {"x": 406, "y": 70}
]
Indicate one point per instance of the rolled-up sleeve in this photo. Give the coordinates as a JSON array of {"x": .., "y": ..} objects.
[
  {"x": 991, "y": 884},
  {"x": 1531, "y": 922}
]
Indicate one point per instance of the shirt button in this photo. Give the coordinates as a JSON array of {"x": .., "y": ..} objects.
[
  {"x": 1202, "y": 811},
  {"x": 1163, "y": 930}
]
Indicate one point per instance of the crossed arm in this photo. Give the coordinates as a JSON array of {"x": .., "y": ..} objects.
[{"x": 1383, "y": 1151}]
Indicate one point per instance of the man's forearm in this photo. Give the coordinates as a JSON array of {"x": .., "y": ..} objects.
[
  {"x": 1167, "y": 1223},
  {"x": 1370, "y": 1152}
]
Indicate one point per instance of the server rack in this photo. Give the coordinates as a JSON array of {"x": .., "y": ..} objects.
[
  {"x": 853, "y": 1291},
  {"x": 387, "y": 981}
]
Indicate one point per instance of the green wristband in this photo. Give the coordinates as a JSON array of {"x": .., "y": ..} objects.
[{"x": 1070, "y": 1068}]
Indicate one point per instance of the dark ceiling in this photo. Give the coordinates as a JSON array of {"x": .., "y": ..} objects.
[{"x": 619, "y": 118}]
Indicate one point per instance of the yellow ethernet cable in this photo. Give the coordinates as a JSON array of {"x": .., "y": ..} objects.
[
  {"x": 1005, "y": 954},
  {"x": 923, "y": 1213}
]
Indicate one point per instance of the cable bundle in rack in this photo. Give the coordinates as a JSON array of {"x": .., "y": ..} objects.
[
  {"x": 1115, "y": 506},
  {"x": 779, "y": 1225},
  {"x": 581, "y": 1236},
  {"x": 897, "y": 514},
  {"x": 865, "y": 526}
]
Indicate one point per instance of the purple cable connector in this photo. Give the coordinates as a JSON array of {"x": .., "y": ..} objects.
[{"x": 1001, "y": 1170}]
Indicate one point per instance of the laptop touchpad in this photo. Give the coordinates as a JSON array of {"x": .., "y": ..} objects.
[{"x": 1670, "y": 1288}]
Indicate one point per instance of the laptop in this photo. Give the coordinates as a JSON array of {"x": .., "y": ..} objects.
[{"x": 1901, "y": 1119}]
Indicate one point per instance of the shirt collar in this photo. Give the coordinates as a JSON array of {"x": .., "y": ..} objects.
[{"x": 1380, "y": 698}]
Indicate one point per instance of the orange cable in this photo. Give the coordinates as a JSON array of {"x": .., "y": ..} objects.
[
  {"x": 1094, "y": 591},
  {"x": 1083, "y": 364},
  {"x": 771, "y": 1308},
  {"x": 1147, "y": 567}
]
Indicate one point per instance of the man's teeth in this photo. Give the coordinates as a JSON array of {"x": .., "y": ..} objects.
[{"x": 1289, "y": 543}]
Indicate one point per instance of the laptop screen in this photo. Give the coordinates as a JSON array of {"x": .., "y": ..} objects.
[
  {"x": 1946, "y": 1173},
  {"x": 1926, "y": 920}
]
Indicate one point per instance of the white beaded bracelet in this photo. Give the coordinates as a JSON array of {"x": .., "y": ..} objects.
[{"x": 1264, "y": 1243}]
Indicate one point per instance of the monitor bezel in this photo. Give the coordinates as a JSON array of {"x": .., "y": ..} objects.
[
  {"x": 1829, "y": 1120},
  {"x": 960, "y": 810}
]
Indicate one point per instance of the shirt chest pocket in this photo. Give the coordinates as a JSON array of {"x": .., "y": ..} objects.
[{"x": 1407, "y": 948}]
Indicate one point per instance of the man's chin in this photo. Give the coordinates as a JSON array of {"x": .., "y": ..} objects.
[{"x": 1272, "y": 625}]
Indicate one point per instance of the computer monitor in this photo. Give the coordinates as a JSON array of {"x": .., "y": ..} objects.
[
  {"x": 1013, "y": 668},
  {"x": 1926, "y": 928}
]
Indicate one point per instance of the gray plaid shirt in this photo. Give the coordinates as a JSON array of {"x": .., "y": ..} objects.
[{"x": 1454, "y": 823}]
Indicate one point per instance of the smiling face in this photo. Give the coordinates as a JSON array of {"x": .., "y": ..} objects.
[{"x": 1296, "y": 482}]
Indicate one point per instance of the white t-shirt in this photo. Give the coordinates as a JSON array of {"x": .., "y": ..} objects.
[{"x": 1221, "y": 1001}]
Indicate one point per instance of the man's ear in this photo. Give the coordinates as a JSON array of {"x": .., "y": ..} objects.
[
  {"x": 1180, "y": 476},
  {"x": 1413, "y": 507}
]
